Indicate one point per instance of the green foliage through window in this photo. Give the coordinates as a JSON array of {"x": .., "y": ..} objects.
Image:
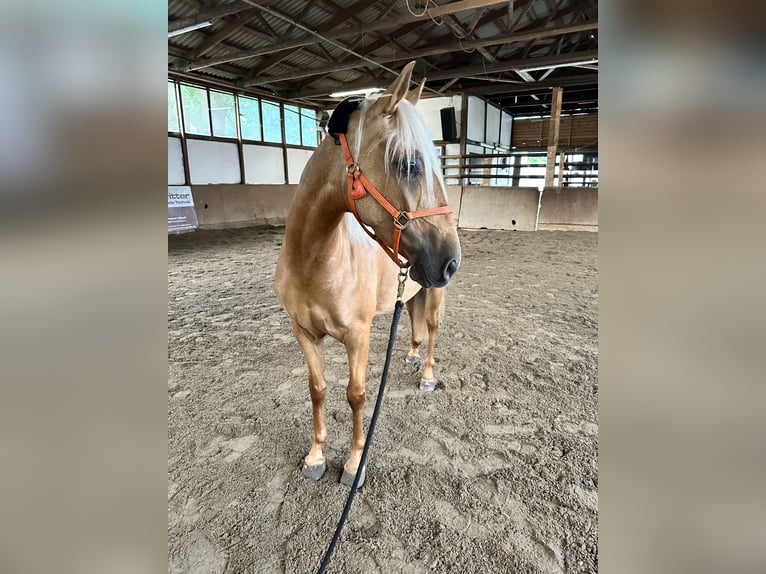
[
  {"x": 249, "y": 118},
  {"x": 272, "y": 125},
  {"x": 309, "y": 127},
  {"x": 224, "y": 118},
  {"x": 259, "y": 120},
  {"x": 292, "y": 125},
  {"x": 173, "y": 125},
  {"x": 196, "y": 118}
]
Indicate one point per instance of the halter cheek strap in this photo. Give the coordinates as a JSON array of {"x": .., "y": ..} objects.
[{"x": 359, "y": 186}]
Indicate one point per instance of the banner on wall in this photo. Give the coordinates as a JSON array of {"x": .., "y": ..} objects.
[{"x": 181, "y": 213}]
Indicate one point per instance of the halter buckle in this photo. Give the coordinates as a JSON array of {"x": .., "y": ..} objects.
[
  {"x": 401, "y": 220},
  {"x": 352, "y": 168}
]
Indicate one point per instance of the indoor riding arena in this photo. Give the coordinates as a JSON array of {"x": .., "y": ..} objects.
[{"x": 496, "y": 469}]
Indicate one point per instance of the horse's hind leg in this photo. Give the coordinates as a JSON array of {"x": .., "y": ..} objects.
[
  {"x": 358, "y": 348},
  {"x": 313, "y": 349},
  {"x": 432, "y": 306}
]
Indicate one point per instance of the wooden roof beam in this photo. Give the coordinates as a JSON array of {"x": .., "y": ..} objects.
[
  {"x": 384, "y": 41},
  {"x": 393, "y": 22},
  {"x": 520, "y": 16},
  {"x": 234, "y": 23},
  {"x": 415, "y": 54},
  {"x": 212, "y": 14},
  {"x": 515, "y": 64},
  {"x": 330, "y": 24},
  {"x": 566, "y": 81},
  {"x": 472, "y": 70}
]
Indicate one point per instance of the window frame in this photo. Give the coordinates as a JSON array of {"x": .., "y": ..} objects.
[
  {"x": 235, "y": 137},
  {"x": 207, "y": 100},
  {"x": 280, "y": 114},
  {"x": 177, "y": 101},
  {"x": 260, "y": 119},
  {"x": 310, "y": 113}
]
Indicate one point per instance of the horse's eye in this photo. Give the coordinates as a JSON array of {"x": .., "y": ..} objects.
[{"x": 410, "y": 168}]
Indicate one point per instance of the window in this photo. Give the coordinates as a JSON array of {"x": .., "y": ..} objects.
[
  {"x": 249, "y": 118},
  {"x": 173, "y": 125},
  {"x": 477, "y": 171},
  {"x": 292, "y": 125},
  {"x": 533, "y": 167},
  {"x": 580, "y": 170},
  {"x": 196, "y": 118},
  {"x": 272, "y": 125},
  {"x": 212, "y": 112},
  {"x": 502, "y": 170},
  {"x": 308, "y": 127},
  {"x": 222, "y": 110}
]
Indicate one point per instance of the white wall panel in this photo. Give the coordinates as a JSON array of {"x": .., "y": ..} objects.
[
  {"x": 506, "y": 124},
  {"x": 430, "y": 109},
  {"x": 213, "y": 162},
  {"x": 493, "y": 125},
  {"x": 264, "y": 164},
  {"x": 296, "y": 161},
  {"x": 475, "y": 119},
  {"x": 175, "y": 162},
  {"x": 499, "y": 207},
  {"x": 470, "y": 148}
]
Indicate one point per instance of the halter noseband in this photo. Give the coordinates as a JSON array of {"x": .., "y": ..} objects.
[{"x": 359, "y": 186}]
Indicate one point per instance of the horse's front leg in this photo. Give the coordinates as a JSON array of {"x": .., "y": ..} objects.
[
  {"x": 313, "y": 349},
  {"x": 433, "y": 303},
  {"x": 358, "y": 348}
]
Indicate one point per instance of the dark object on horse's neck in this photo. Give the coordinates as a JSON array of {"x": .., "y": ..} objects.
[{"x": 338, "y": 123}]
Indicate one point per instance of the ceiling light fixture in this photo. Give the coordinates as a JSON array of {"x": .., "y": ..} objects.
[
  {"x": 364, "y": 91},
  {"x": 185, "y": 29}
]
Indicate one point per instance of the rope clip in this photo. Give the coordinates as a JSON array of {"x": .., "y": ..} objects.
[{"x": 402, "y": 279}]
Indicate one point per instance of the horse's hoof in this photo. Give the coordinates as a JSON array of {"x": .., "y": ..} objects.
[
  {"x": 314, "y": 472},
  {"x": 412, "y": 360},
  {"x": 348, "y": 479},
  {"x": 427, "y": 386}
]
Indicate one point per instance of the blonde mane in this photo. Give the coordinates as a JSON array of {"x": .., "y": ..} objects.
[{"x": 408, "y": 139}]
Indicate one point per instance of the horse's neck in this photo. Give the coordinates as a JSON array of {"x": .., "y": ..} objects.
[{"x": 314, "y": 230}]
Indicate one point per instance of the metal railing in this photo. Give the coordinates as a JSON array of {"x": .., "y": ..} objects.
[{"x": 510, "y": 169}]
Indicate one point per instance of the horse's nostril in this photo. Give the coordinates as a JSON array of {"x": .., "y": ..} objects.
[{"x": 450, "y": 269}]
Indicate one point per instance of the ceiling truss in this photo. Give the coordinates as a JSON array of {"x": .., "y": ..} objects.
[{"x": 511, "y": 52}]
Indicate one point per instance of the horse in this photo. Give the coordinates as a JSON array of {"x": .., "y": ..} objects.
[{"x": 332, "y": 276}]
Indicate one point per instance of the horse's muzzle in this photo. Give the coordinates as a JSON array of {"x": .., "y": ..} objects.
[
  {"x": 449, "y": 269},
  {"x": 434, "y": 253},
  {"x": 437, "y": 275}
]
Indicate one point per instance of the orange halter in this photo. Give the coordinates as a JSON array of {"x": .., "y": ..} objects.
[{"x": 359, "y": 186}]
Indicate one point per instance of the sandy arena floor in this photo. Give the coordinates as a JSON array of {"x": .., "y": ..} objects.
[{"x": 496, "y": 471}]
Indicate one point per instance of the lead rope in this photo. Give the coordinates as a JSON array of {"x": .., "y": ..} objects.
[{"x": 368, "y": 441}]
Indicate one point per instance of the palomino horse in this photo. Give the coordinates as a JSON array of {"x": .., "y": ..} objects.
[{"x": 332, "y": 279}]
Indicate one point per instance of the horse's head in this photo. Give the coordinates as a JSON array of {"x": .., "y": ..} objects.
[{"x": 389, "y": 141}]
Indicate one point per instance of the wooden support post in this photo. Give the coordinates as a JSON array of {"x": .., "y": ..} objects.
[
  {"x": 553, "y": 135},
  {"x": 463, "y": 139},
  {"x": 463, "y": 151}
]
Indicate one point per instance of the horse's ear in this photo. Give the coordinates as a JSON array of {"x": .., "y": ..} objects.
[
  {"x": 413, "y": 96},
  {"x": 398, "y": 90}
]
